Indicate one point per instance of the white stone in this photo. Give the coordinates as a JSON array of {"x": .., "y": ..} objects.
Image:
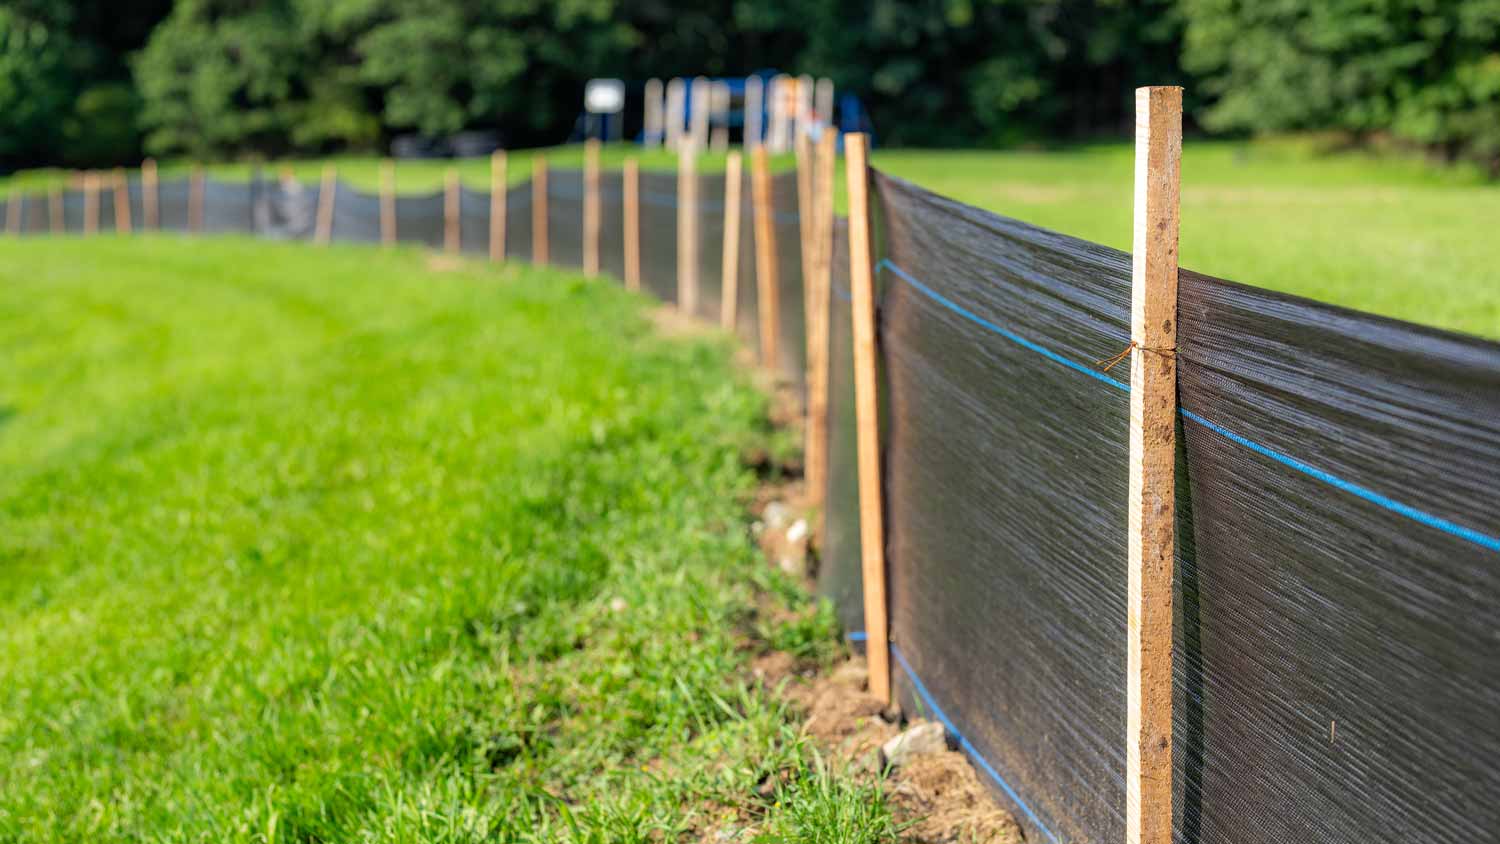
[{"x": 921, "y": 740}]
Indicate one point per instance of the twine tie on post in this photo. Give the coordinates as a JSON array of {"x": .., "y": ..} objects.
[{"x": 1110, "y": 362}]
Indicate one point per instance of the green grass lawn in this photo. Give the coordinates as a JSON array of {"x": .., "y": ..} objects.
[
  {"x": 1386, "y": 234},
  {"x": 331, "y": 545}
]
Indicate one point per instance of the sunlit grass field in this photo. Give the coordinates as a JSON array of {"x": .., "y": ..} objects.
[
  {"x": 1392, "y": 235},
  {"x": 338, "y": 545}
]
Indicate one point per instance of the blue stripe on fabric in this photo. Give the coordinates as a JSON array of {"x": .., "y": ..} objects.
[
  {"x": 1483, "y": 540},
  {"x": 1474, "y": 536},
  {"x": 963, "y": 743},
  {"x": 1045, "y": 352}
]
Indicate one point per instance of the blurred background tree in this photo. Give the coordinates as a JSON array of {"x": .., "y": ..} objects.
[
  {"x": 1425, "y": 72},
  {"x": 93, "y": 83}
]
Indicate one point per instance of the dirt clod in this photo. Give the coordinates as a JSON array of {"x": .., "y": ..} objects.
[{"x": 921, "y": 740}]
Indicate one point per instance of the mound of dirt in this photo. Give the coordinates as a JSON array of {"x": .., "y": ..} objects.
[{"x": 938, "y": 794}]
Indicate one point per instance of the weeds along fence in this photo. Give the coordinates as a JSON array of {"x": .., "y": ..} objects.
[{"x": 1288, "y": 630}]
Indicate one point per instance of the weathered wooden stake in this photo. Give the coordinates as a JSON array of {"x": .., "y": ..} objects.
[
  {"x": 150, "y": 196},
  {"x": 802, "y": 147},
  {"x": 687, "y": 228},
  {"x": 866, "y": 408},
  {"x": 819, "y": 282},
  {"x": 327, "y": 195},
  {"x": 729, "y": 278},
  {"x": 767, "y": 281},
  {"x": 1153, "y": 423},
  {"x": 539, "y": 210},
  {"x": 591, "y": 207},
  {"x": 13, "y": 212},
  {"x": 632, "y": 217},
  {"x": 90, "y": 203},
  {"x": 195, "y": 199},
  {"x": 499, "y": 190},
  {"x": 122, "y": 201},
  {"x": 452, "y": 235},
  {"x": 55, "y": 222},
  {"x": 387, "y": 202}
]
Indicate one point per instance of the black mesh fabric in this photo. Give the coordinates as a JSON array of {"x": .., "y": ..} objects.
[
  {"x": 793, "y": 343},
  {"x": 518, "y": 222},
  {"x": 172, "y": 205},
  {"x": 419, "y": 219},
  {"x": 839, "y": 576},
  {"x": 1337, "y": 667},
  {"x": 747, "y": 313},
  {"x": 1005, "y": 456},
  {"x": 106, "y": 210},
  {"x": 659, "y": 235},
  {"x": 356, "y": 215},
  {"x": 473, "y": 221},
  {"x": 565, "y": 218},
  {"x": 710, "y": 246},
  {"x": 612, "y": 224},
  {"x": 228, "y": 207}
]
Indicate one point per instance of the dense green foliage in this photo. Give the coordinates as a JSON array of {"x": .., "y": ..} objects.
[
  {"x": 227, "y": 77},
  {"x": 324, "y": 545},
  {"x": 1424, "y": 71},
  {"x": 65, "y": 91}
]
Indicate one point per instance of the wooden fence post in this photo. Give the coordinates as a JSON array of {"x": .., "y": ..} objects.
[
  {"x": 802, "y": 147},
  {"x": 687, "y": 228},
  {"x": 90, "y": 203},
  {"x": 452, "y": 236},
  {"x": 327, "y": 193},
  {"x": 729, "y": 288},
  {"x": 767, "y": 279},
  {"x": 195, "y": 199},
  {"x": 866, "y": 409},
  {"x": 387, "y": 202},
  {"x": 13, "y": 212},
  {"x": 632, "y": 221},
  {"x": 150, "y": 199},
  {"x": 1153, "y": 445},
  {"x": 819, "y": 283},
  {"x": 499, "y": 190},
  {"x": 122, "y": 201},
  {"x": 539, "y": 209},
  {"x": 591, "y": 207},
  {"x": 55, "y": 222}
]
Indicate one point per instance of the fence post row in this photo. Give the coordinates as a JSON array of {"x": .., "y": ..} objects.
[
  {"x": 90, "y": 203},
  {"x": 871, "y": 526},
  {"x": 195, "y": 198},
  {"x": 387, "y": 202},
  {"x": 122, "y": 201},
  {"x": 539, "y": 210},
  {"x": 327, "y": 194},
  {"x": 451, "y": 235},
  {"x": 499, "y": 191},
  {"x": 13, "y": 212},
  {"x": 767, "y": 283},
  {"x": 1153, "y": 422},
  {"x": 632, "y": 223},
  {"x": 150, "y": 197},
  {"x": 818, "y": 319},
  {"x": 55, "y": 222},
  {"x": 591, "y": 207},
  {"x": 729, "y": 277},
  {"x": 687, "y": 229}
]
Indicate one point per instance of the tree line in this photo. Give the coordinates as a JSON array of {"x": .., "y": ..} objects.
[{"x": 94, "y": 82}]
